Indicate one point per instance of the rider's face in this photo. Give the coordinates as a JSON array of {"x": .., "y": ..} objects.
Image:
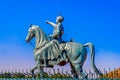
[{"x": 57, "y": 19}]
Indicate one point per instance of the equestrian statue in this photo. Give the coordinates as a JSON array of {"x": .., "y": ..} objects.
[{"x": 52, "y": 50}]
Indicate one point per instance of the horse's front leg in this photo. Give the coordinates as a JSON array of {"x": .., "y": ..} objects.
[
  {"x": 41, "y": 72},
  {"x": 32, "y": 71},
  {"x": 40, "y": 68}
]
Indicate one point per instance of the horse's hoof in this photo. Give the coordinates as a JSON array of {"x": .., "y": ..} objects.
[{"x": 32, "y": 71}]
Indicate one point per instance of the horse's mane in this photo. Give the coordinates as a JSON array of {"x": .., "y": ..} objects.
[
  {"x": 42, "y": 38},
  {"x": 41, "y": 31}
]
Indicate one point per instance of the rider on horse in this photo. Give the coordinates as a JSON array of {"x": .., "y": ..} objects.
[
  {"x": 58, "y": 32},
  {"x": 58, "y": 29},
  {"x": 56, "y": 40}
]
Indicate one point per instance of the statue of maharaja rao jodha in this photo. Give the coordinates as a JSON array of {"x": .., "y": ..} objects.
[
  {"x": 52, "y": 50},
  {"x": 55, "y": 40}
]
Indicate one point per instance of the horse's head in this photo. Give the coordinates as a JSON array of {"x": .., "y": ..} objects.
[
  {"x": 37, "y": 32},
  {"x": 31, "y": 33}
]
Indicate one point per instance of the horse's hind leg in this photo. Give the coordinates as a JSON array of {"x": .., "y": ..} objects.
[
  {"x": 73, "y": 71},
  {"x": 79, "y": 71}
]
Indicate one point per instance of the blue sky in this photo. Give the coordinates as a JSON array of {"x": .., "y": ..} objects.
[{"x": 85, "y": 21}]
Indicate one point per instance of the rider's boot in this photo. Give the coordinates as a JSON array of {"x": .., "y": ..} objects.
[
  {"x": 64, "y": 55},
  {"x": 62, "y": 58}
]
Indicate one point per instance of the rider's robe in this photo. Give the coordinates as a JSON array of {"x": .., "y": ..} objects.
[{"x": 53, "y": 51}]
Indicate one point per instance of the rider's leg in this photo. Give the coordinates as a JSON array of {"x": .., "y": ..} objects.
[
  {"x": 63, "y": 54},
  {"x": 55, "y": 35}
]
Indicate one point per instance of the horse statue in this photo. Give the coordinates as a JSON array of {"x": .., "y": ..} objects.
[{"x": 75, "y": 53}]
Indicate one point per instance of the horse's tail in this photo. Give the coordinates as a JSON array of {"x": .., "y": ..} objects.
[{"x": 92, "y": 52}]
